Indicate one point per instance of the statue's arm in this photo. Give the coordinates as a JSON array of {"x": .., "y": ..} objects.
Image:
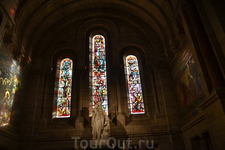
[{"x": 93, "y": 119}]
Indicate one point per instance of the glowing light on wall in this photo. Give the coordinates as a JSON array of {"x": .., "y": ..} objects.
[
  {"x": 9, "y": 86},
  {"x": 134, "y": 92},
  {"x": 63, "y": 89},
  {"x": 98, "y": 76}
]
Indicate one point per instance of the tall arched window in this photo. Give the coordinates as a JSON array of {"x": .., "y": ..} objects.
[
  {"x": 98, "y": 76},
  {"x": 134, "y": 88},
  {"x": 63, "y": 89}
]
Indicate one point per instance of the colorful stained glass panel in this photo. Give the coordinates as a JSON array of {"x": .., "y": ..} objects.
[
  {"x": 135, "y": 96},
  {"x": 62, "y": 103},
  {"x": 98, "y": 76}
]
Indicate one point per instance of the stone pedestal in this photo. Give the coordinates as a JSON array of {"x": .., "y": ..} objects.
[
  {"x": 79, "y": 123},
  {"x": 121, "y": 120}
]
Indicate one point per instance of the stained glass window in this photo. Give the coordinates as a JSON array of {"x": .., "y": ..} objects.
[
  {"x": 134, "y": 92},
  {"x": 63, "y": 89},
  {"x": 98, "y": 76}
]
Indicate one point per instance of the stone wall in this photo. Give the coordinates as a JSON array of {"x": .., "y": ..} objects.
[{"x": 180, "y": 49}]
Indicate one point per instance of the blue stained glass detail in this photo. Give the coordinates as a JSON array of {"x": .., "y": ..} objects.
[
  {"x": 98, "y": 76},
  {"x": 62, "y": 103},
  {"x": 134, "y": 94}
]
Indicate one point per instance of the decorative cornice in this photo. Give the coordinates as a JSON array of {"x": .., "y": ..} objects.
[
  {"x": 215, "y": 95},
  {"x": 193, "y": 123},
  {"x": 175, "y": 131},
  {"x": 180, "y": 28}
]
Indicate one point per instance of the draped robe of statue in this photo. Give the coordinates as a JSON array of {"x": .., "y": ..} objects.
[{"x": 97, "y": 121}]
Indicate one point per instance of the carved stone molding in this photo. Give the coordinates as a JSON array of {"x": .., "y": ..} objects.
[
  {"x": 217, "y": 94},
  {"x": 7, "y": 37},
  {"x": 173, "y": 47},
  {"x": 169, "y": 55},
  {"x": 193, "y": 123},
  {"x": 179, "y": 26},
  {"x": 10, "y": 40},
  {"x": 175, "y": 41}
]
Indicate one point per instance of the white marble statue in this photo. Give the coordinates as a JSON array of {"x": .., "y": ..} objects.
[
  {"x": 99, "y": 123},
  {"x": 106, "y": 130}
]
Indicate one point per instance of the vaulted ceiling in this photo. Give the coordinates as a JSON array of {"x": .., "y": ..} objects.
[{"x": 34, "y": 18}]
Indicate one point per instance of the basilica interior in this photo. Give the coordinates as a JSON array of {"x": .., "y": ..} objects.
[{"x": 156, "y": 66}]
